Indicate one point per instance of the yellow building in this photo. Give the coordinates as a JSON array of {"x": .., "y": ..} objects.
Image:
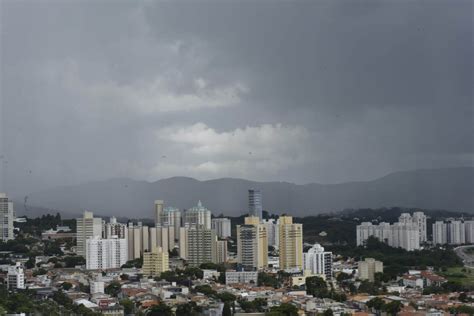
[
  {"x": 291, "y": 243},
  {"x": 155, "y": 262},
  {"x": 252, "y": 244}
]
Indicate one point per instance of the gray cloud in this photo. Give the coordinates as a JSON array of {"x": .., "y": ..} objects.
[{"x": 322, "y": 91}]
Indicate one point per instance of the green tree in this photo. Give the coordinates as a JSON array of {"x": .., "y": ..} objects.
[
  {"x": 205, "y": 289},
  {"x": 128, "y": 306},
  {"x": 188, "y": 309},
  {"x": 316, "y": 286},
  {"x": 226, "y": 311},
  {"x": 265, "y": 279},
  {"x": 66, "y": 286},
  {"x": 393, "y": 307},
  {"x": 113, "y": 288},
  {"x": 285, "y": 309},
  {"x": 159, "y": 310},
  {"x": 376, "y": 304},
  {"x": 328, "y": 312}
]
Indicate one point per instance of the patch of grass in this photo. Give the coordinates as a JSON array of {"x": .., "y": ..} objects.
[{"x": 462, "y": 275}]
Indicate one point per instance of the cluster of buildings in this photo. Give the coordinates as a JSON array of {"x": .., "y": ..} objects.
[
  {"x": 453, "y": 232},
  {"x": 198, "y": 238},
  {"x": 408, "y": 233},
  {"x": 193, "y": 235}
]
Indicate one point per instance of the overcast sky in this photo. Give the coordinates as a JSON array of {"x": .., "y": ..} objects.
[{"x": 321, "y": 91}]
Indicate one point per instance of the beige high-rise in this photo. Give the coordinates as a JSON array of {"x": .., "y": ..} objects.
[
  {"x": 291, "y": 243},
  {"x": 252, "y": 244},
  {"x": 155, "y": 262},
  {"x": 201, "y": 246},
  {"x": 368, "y": 268},
  {"x": 86, "y": 227},
  {"x": 221, "y": 251}
]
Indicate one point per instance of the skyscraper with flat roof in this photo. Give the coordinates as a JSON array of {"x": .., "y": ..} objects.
[
  {"x": 291, "y": 244},
  {"x": 86, "y": 227},
  {"x": 6, "y": 218},
  {"x": 255, "y": 203}
]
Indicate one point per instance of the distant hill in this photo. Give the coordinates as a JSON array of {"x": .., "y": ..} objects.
[{"x": 449, "y": 189}]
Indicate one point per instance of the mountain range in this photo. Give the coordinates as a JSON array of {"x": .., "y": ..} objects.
[{"x": 447, "y": 188}]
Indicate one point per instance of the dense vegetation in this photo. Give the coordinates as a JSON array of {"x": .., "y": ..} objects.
[
  {"x": 397, "y": 261},
  {"x": 24, "y": 301}
]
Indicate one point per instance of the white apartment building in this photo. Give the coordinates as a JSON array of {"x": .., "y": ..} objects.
[
  {"x": 469, "y": 230},
  {"x": 197, "y": 216},
  {"x": 221, "y": 226},
  {"x": 453, "y": 232},
  {"x": 419, "y": 218},
  {"x": 97, "y": 287},
  {"x": 104, "y": 254},
  {"x": 16, "y": 277},
  {"x": 244, "y": 277},
  {"x": 272, "y": 232},
  {"x": 172, "y": 218},
  {"x": 7, "y": 217},
  {"x": 113, "y": 228},
  {"x": 456, "y": 232},
  {"x": 404, "y": 234},
  {"x": 86, "y": 227},
  {"x": 440, "y": 233},
  {"x": 318, "y": 261}
]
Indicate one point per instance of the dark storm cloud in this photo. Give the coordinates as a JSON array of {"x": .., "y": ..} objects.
[{"x": 322, "y": 91}]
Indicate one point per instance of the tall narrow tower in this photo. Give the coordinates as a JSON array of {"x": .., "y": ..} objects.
[
  {"x": 159, "y": 212},
  {"x": 6, "y": 214},
  {"x": 255, "y": 203}
]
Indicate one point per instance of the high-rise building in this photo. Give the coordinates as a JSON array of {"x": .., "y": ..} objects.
[
  {"x": 113, "y": 228},
  {"x": 16, "y": 277},
  {"x": 419, "y": 218},
  {"x": 104, "y": 254},
  {"x": 201, "y": 245},
  {"x": 404, "y": 234},
  {"x": 252, "y": 244},
  {"x": 368, "y": 268},
  {"x": 272, "y": 232},
  {"x": 155, "y": 262},
  {"x": 163, "y": 237},
  {"x": 197, "y": 216},
  {"x": 318, "y": 261},
  {"x": 183, "y": 242},
  {"x": 221, "y": 226},
  {"x": 291, "y": 244},
  {"x": 159, "y": 204},
  {"x": 7, "y": 217},
  {"x": 221, "y": 251},
  {"x": 456, "y": 232},
  {"x": 172, "y": 218},
  {"x": 469, "y": 229},
  {"x": 440, "y": 233},
  {"x": 86, "y": 227},
  {"x": 255, "y": 203}
]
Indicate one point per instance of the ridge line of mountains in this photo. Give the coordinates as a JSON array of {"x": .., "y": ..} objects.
[{"x": 447, "y": 188}]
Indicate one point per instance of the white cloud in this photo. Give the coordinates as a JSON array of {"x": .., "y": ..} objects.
[{"x": 261, "y": 151}]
